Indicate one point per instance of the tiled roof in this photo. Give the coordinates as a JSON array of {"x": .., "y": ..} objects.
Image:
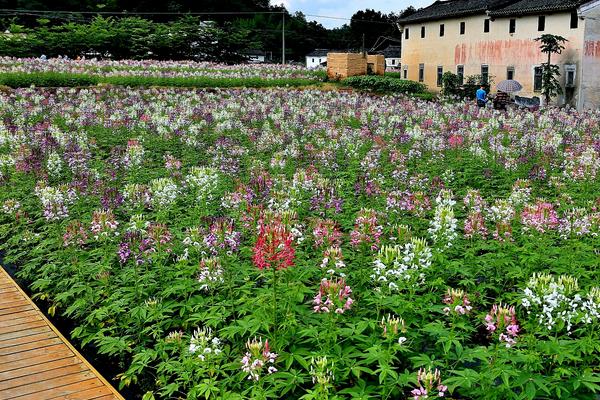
[
  {"x": 392, "y": 51},
  {"x": 455, "y": 8},
  {"x": 537, "y": 6},
  {"x": 318, "y": 53}
]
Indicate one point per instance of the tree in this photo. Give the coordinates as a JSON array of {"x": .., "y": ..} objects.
[{"x": 551, "y": 44}]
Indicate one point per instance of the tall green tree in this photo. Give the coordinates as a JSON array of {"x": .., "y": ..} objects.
[{"x": 551, "y": 44}]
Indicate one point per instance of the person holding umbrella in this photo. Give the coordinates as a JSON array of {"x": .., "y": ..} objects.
[{"x": 502, "y": 99}]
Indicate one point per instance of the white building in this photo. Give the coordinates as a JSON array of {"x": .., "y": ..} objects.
[
  {"x": 316, "y": 58},
  {"x": 392, "y": 57},
  {"x": 255, "y": 56}
]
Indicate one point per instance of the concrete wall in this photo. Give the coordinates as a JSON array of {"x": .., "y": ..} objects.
[
  {"x": 497, "y": 48},
  {"x": 589, "y": 89}
]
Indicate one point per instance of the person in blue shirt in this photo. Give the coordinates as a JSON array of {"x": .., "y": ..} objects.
[{"x": 481, "y": 96}]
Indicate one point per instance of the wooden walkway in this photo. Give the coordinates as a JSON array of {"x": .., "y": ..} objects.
[{"x": 36, "y": 361}]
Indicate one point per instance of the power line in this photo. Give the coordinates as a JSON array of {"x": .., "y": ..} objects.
[{"x": 127, "y": 13}]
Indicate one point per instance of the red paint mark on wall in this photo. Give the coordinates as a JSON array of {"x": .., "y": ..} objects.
[
  {"x": 591, "y": 48},
  {"x": 460, "y": 54},
  {"x": 501, "y": 52}
]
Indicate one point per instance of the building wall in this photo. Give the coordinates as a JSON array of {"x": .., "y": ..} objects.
[
  {"x": 589, "y": 89},
  {"x": 314, "y": 62},
  {"x": 498, "y": 49},
  {"x": 392, "y": 62}
]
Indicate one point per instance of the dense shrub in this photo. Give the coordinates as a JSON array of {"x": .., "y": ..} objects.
[
  {"x": 53, "y": 79},
  {"x": 452, "y": 86},
  {"x": 384, "y": 84},
  {"x": 46, "y": 79}
]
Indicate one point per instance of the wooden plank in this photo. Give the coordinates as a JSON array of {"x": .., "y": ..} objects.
[
  {"x": 27, "y": 325},
  {"x": 101, "y": 392},
  {"x": 35, "y": 356},
  {"x": 30, "y": 386},
  {"x": 21, "y": 320},
  {"x": 47, "y": 365},
  {"x": 29, "y": 346},
  {"x": 19, "y": 341},
  {"x": 36, "y": 360},
  {"x": 22, "y": 330},
  {"x": 11, "y": 304},
  {"x": 12, "y": 310},
  {"x": 17, "y": 314},
  {"x": 61, "y": 392},
  {"x": 42, "y": 376}
]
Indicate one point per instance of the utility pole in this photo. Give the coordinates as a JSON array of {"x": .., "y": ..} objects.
[
  {"x": 283, "y": 38},
  {"x": 363, "y": 45}
]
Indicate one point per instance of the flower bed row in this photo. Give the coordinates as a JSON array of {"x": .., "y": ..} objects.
[{"x": 156, "y": 69}]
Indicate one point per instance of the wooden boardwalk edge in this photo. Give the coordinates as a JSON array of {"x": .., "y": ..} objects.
[{"x": 17, "y": 299}]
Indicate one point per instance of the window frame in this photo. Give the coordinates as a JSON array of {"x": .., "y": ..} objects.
[
  {"x": 541, "y": 23},
  {"x": 422, "y": 72},
  {"x": 485, "y": 80},
  {"x": 440, "y": 73},
  {"x": 405, "y": 71},
  {"x": 486, "y": 25},
  {"x": 512, "y": 25},
  {"x": 463, "y": 27},
  {"x": 510, "y": 69},
  {"x": 461, "y": 73},
  {"x": 442, "y": 30},
  {"x": 423, "y": 32},
  {"x": 570, "y": 69},
  {"x": 574, "y": 23},
  {"x": 406, "y": 33},
  {"x": 536, "y": 88}
]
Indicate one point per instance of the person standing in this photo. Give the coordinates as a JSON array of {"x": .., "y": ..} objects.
[{"x": 481, "y": 96}]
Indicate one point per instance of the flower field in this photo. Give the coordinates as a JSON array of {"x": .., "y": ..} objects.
[
  {"x": 154, "y": 68},
  {"x": 245, "y": 243}
]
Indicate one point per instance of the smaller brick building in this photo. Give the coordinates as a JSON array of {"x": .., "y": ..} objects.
[{"x": 343, "y": 65}]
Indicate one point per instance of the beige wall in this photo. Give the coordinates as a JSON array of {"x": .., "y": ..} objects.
[
  {"x": 498, "y": 49},
  {"x": 589, "y": 89}
]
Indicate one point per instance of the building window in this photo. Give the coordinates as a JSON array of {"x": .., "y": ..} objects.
[
  {"x": 512, "y": 25},
  {"x": 537, "y": 79},
  {"x": 541, "y": 23},
  {"x": 462, "y": 28},
  {"x": 486, "y": 25},
  {"x": 422, "y": 32},
  {"x": 460, "y": 71},
  {"x": 441, "y": 29},
  {"x": 313, "y": 60},
  {"x": 421, "y": 72},
  {"x": 405, "y": 72},
  {"x": 405, "y": 33},
  {"x": 574, "y": 20},
  {"x": 440, "y": 73},
  {"x": 570, "y": 75},
  {"x": 485, "y": 74},
  {"x": 510, "y": 73}
]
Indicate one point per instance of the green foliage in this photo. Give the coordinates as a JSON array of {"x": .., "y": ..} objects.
[
  {"x": 551, "y": 44},
  {"x": 46, "y": 79},
  {"x": 450, "y": 84},
  {"x": 384, "y": 84}
]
